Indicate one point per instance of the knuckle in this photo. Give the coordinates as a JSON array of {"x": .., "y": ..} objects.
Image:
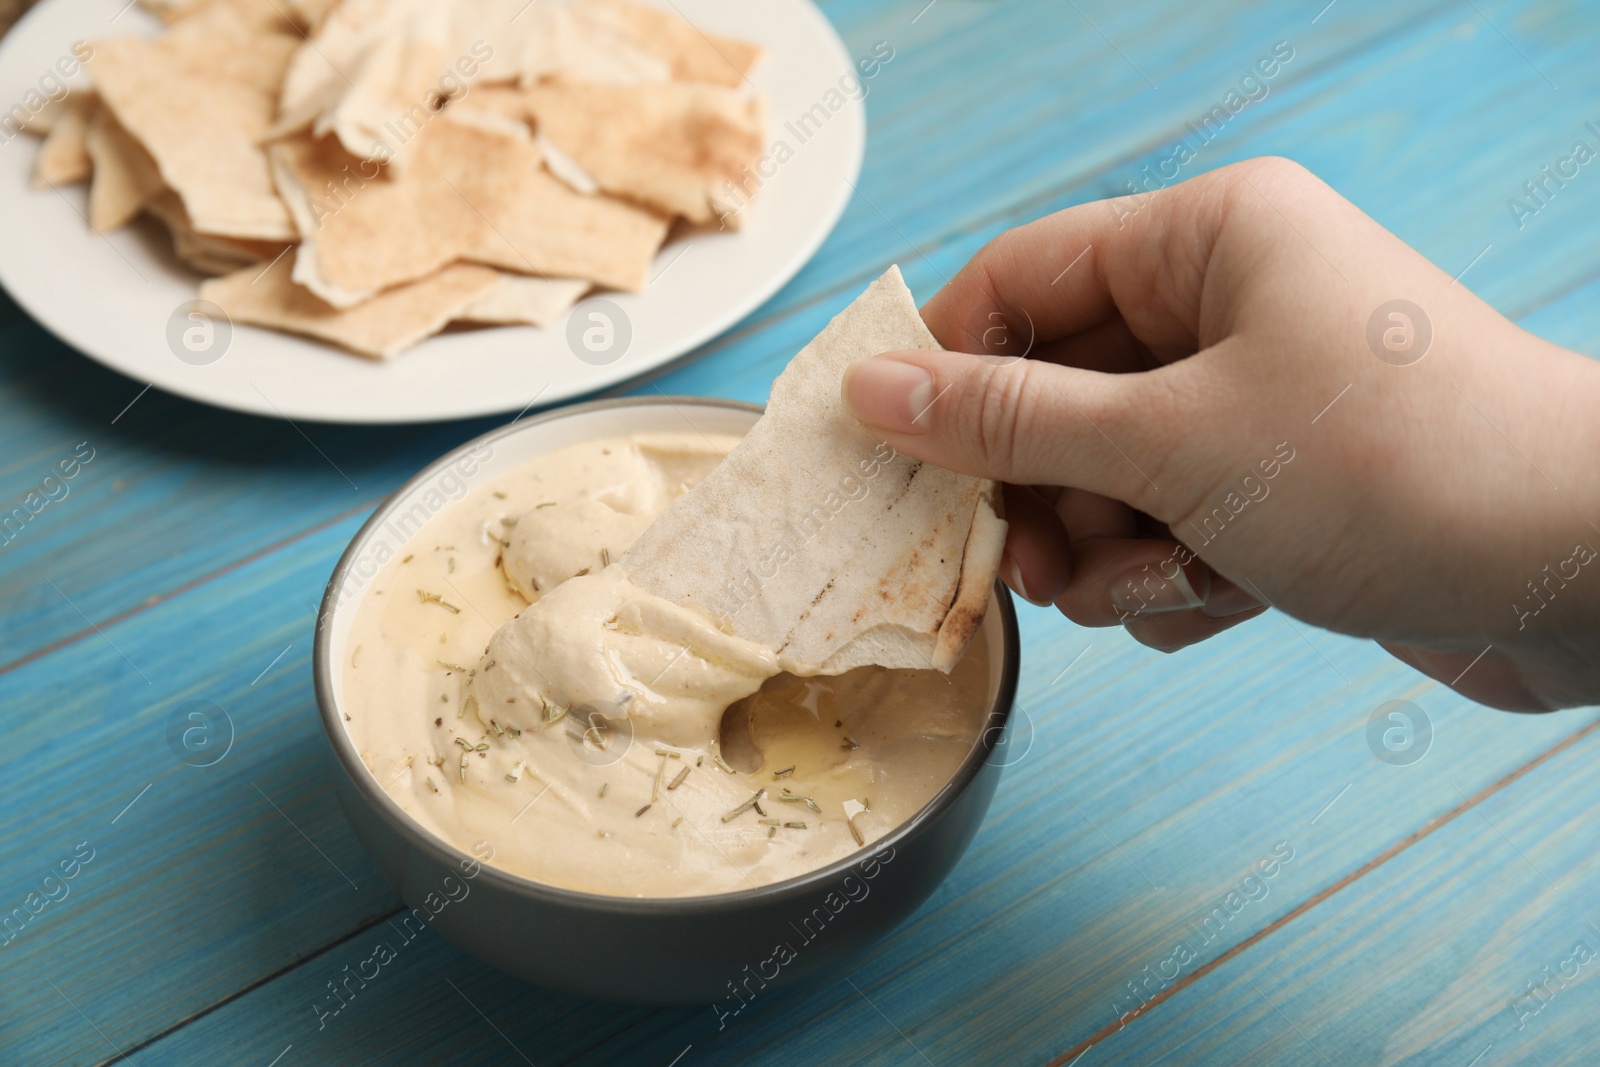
[
  {"x": 1276, "y": 169},
  {"x": 1264, "y": 187},
  {"x": 996, "y": 415}
]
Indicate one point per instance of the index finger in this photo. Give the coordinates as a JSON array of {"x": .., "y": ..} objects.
[{"x": 1139, "y": 258}]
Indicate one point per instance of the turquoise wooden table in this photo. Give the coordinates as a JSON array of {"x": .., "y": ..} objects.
[{"x": 1117, "y": 905}]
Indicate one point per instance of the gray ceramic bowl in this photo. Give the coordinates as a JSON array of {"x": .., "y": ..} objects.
[{"x": 721, "y": 950}]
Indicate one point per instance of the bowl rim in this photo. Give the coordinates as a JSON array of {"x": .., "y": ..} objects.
[{"x": 448, "y": 853}]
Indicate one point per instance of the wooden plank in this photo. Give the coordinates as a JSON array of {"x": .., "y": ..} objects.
[
  {"x": 203, "y": 879},
  {"x": 1453, "y": 951},
  {"x": 174, "y": 490},
  {"x": 257, "y": 482}
]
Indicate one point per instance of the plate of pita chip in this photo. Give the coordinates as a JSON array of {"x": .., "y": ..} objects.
[{"x": 410, "y": 210}]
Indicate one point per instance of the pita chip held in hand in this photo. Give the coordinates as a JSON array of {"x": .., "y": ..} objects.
[{"x": 820, "y": 542}]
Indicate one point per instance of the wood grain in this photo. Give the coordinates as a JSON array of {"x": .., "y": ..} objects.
[
  {"x": 184, "y": 562},
  {"x": 1462, "y": 946}
]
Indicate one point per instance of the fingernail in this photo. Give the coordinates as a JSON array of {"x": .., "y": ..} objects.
[
  {"x": 889, "y": 393},
  {"x": 1227, "y": 599},
  {"x": 1018, "y": 586},
  {"x": 1146, "y": 591}
]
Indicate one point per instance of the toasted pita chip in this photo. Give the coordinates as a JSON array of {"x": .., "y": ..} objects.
[
  {"x": 193, "y": 252},
  {"x": 396, "y": 90},
  {"x": 275, "y": 16},
  {"x": 565, "y": 167},
  {"x": 310, "y": 13},
  {"x": 64, "y": 156},
  {"x": 125, "y": 177},
  {"x": 381, "y": 328},
  {"x": 373, "y": 75},
  {"x": 376, "y": 69},
  {"x": 195, "y": 99},
  {"x": 529, "y": 42},
  {"x": 472, "y": 193},
  {"x": 239, "y": 41},
  {"x": 842, "y": 553},
  {"x": 564, "y": 44},
  {"x": 308, "y": 90},
  {"x": 507, "y": 101},
  {"x": 172, "y": 10},
  {"x": 690, "y": 53},
  {"x": 505, "y": 108},
  {"x": 521, "y": 300},
  {"x": 495, "y": 123},
  {"x": 41, "y": 122},
  {"x": 203, "y": 252},
  {"x": 676, "y": 147},
  {"x": 322, "y": 69}
]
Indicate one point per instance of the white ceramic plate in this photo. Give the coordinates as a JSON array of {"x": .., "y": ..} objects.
[{"x": 113, "y": 297}]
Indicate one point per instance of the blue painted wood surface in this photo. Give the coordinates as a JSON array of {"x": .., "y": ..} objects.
[{"x": 1418, "y": 903}]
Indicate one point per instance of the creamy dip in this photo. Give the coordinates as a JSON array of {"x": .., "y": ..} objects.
[{"x": 595, "y": 753}]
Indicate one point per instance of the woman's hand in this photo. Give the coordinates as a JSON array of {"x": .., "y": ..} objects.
[{"x": 1241, "y": 391}]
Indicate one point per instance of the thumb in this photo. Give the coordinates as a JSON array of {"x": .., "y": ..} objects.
[{"x": 1021, "y": 420}]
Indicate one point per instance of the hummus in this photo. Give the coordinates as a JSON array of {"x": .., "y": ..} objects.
[{"x": 609, "y": 740}]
